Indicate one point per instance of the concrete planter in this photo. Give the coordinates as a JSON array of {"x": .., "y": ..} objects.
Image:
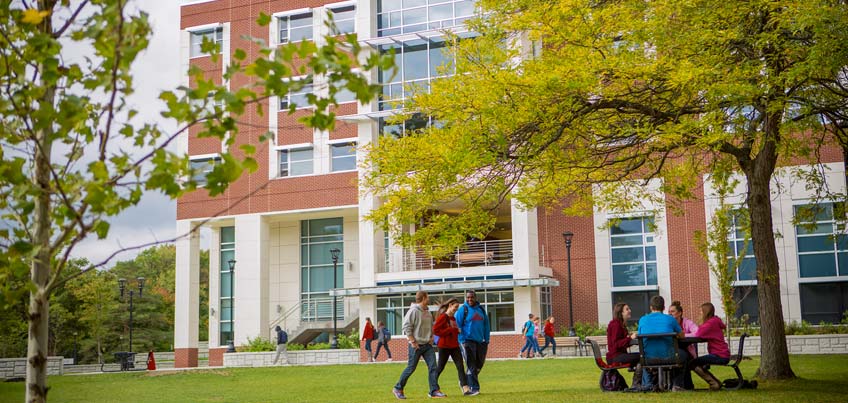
[
  {"x": 16, "y": 367},
  {"x": 301, "y": 357}
]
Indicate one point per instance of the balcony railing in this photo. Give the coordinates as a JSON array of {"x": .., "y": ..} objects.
[
  {"x": 473, "y": 254},
  {"x": 321, "y": 309}
]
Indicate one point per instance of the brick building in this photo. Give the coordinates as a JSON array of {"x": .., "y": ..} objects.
[{"x": 273, "y": 231}]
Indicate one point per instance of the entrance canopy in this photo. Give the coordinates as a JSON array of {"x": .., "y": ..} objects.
[{"x": 447, "y": 286}]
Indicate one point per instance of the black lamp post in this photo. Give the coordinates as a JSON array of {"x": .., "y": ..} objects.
[
  {"x": 231, "y": 347},
  {"x": 335, "y": 253},
  {"x": 568, "y": 235},
  {"x": 122, "y": 285}
]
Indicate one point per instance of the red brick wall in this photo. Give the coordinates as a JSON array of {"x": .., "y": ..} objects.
[
  {"x": 689, "y": 271},
  {"x": 216, "y": 357},
  {"x": 552, "y": 223},
  {"x": 185, "y": 357}
]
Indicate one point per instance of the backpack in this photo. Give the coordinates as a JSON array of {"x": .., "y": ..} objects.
[
  {"x": 374, "y": 334},
  {"x": 386, "y": 334},
  {"x": 733, "y": 383},
  {"x": 612, "y": 381},
  {"x": 282, "y": 337}
]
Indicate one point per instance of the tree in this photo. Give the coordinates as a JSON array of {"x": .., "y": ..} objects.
[
  {"x": 73, "y": 153},
  {"x": 585, "y": 100}
]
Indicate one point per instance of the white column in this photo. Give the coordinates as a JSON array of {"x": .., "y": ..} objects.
[
  {"x": 523, "y": 305},
  {"x": 215, "y": 287},
  {"x": 251, "y": 277},
  {"x": 525, "y": 242},
  {"x": 187, "y": 286}
]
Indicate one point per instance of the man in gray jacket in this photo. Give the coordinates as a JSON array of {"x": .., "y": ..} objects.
[{"x": 418, "y": 329}]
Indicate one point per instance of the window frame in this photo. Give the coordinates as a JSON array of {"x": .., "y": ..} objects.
[
  {"x": 216, "y": 158},
  {"x": 645, "y": 233},
  {"x": 350, "y": 143},
  {"x": 336, "y": 6},
  {"x": 293, "y": 148},
  {"x": 307, "y": 88},
  {"x": 838, "y": 229},
  {"x": 284, "y": 24},
  {"x": 218, "y": 37}
]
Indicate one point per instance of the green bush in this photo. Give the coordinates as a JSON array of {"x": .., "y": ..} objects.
[
  {"x": 295, "y": 347},
  {"x": 318, "y": 346},
  {"x": 350, "y": 341},
  {"x": 584, "y": 329},
  {"x": 256, "y": 345}
]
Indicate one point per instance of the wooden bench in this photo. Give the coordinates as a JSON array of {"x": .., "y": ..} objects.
[
  {"x": 474, "y": 257},
  {"x": 564, "y": 341}
]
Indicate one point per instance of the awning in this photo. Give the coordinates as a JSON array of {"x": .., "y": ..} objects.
[{"x": 447, "y": 286}]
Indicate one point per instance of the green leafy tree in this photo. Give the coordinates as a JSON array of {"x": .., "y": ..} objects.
[
  {"x": 98, "y": 308},
  {"x": 580, "y": 102},
  {"x": 73, "y": 153}
]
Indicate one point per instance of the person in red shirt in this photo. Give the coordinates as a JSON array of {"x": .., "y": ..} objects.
[
  {"x": 447, "y": 330},
  {"x": 549, "y": 334},
  {"x": 367, "y": 336},
  {"x": 618, "y": 341}
]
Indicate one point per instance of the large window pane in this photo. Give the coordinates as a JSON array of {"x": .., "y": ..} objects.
[
  {"x": 622, "y": 255},
  {"x": 326, "y": 226},
  {"x": 628, "y": 275},
  {"x": 228, "y": 234},
  {"x": 815, "y": 243},
  {"x": 747, "y": 303},
  {"x": 626, "y": 240},
  {"x": 638, "y": 302},
  {"x": 627, "y": 226},
  {"x": 817, "y": 265},
  {"x": 415, "y": 62},
  {"x": 823, "y": 302}
]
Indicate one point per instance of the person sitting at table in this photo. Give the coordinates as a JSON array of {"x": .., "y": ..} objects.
[
  {"x": 689, "y": 328},
  {"x": 658, "y": 322},
  {"x": 618, "y": 340},
  {"x": 712, "y": 331}
]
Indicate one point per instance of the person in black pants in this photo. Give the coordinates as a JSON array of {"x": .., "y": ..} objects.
[
  {"x": 474, "y": 332},
  {"x": 447, "y": 332},
  {"x": 618, "y": 340}
]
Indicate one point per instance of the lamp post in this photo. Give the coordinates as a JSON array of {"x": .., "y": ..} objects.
[
  {"x": 231, "y": 347},
  {"x": 334, "y": 344},
  {"x": 568, "y": 235},
  {"x": 122, "y": 285}
]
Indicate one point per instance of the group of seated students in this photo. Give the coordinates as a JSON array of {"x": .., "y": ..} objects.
[{"x": 710, "y": 331}]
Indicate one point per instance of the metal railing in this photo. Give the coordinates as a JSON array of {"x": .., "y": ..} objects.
[{"x": 472, "y": 254}]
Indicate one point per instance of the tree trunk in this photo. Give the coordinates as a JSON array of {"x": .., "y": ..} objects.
[{"x": 774, "y": 362}]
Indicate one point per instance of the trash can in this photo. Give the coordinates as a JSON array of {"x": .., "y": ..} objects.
[{"x": 126, "y": 359}]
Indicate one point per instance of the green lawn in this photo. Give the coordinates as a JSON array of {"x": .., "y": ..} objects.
[{"x": 822, "y": 379}]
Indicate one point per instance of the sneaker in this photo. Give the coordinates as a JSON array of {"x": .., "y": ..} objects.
[
  {"x": 389, "y": 360},
  {"x": 519, "y": 355},
  {"x": 399, "y": 394},
  {"x": 371, "y": 359},
  {"x": 473, "y": 392},
  {"x": 437, "y": 394}
]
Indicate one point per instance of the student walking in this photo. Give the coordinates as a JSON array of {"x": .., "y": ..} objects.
[
  {"x": 549, "y": 334},
  {"x": 368, "y": 335},
  {"x": 448, "y": 333},
  {"x": 383, "y": 337},
  {"x": 282, "y": 339},
  {"x": 418, "y": 328},
  {"x": 537, "y": 332},
  {"x": 474, "y": 332},
  {"x": 527, "y": 331}
]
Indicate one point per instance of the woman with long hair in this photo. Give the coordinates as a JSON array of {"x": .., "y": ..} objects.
[
  {"x": 689, "y": 328},
  {"x": 712, "y": 331},
  {"x": 618, "y": 341},
  {"x": 549, "y": 334},
  {"x": 448, "y": 332}
]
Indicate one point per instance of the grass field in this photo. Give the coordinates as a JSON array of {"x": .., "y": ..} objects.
[{"x": 821, "y": 379}]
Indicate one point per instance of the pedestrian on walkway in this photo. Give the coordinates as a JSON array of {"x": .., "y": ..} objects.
[
  {"x": 474, "y": 332},
  {"x": 549, "y": 334},
  {"x": 383, "y": 337},
  {"x": 282, "y": 339},
  {"x": 418, "y": 329},
  {"x": 527, "y": 331},
  {"x": 448, "y": 333},
  {"x": 368, "y": 335}
]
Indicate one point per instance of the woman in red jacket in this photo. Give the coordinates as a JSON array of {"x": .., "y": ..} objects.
[
  {"x": 618, "y": 340},
  {"x": 549, "y": 334},
  {"x": 445, "y": 327},
  {"x": 367, "y": 336}
]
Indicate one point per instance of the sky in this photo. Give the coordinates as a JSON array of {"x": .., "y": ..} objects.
[{"x": 155, "y": 70}]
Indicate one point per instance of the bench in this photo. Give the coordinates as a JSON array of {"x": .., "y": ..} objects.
[
  {"x": 564, "y": 341},
  {"x": 603, "y": 365},
  {"x": 734, "y": 363},
  {"x": 474, "y": 257}
]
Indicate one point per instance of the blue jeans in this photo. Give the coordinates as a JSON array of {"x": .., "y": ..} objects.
[
  {"x": 385, "y": 345},
  {"x": 474, "y": 354},
  {"x": 429, "y": 354},
  {"x": 549, "y": 341},
  {"x": 535, "y": 344},
  {"x": 528, "y": 345},
  {"x": 368, "y": 346}
]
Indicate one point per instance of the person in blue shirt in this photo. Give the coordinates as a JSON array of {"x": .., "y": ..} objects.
[
  {"x": 528, "y": 332},
  {"x": 474, "y": 331},
  {"x": 658, "y": 322}
]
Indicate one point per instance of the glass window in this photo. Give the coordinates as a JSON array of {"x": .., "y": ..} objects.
[
  {"x": 297, "y": 97},
  {"x": 639, "y": 302},
  {"x": 345, "y": 19},
  {"x": 296, "y": 162},
  {"x": 415, "y": 122},
  {"x": 215, "y": 35},
  {"x": 633, "y": 253},
  {"x": 294, "y": 28},
  {"x": 397, "y": 17},
  {"x": 822, "y": 243},
  {"x": 737, "y": 248},
  {"x": 418, "y": 62},
  {"x": 343, "y": 157},
  {"x": 201, "y": 167},
  {"x": 499, "y": 306},
  {"x": 823, "y": 302},
  {"x": 317, "y": 239},
  {"x": 747, "y": 303},
  {"x": 227, "y": 247}
]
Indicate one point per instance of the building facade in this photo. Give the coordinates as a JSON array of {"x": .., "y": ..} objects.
[{"x": 274, "y": 232}]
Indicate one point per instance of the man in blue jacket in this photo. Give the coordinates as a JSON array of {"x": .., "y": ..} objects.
[{"x": 474, "y": 332}]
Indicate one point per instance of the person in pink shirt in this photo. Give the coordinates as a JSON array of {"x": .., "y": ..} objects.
[
  {"x": 712, "y": 331},
  {"x": 689, "y": 329}
]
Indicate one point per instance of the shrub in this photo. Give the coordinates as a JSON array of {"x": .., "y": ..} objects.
[
  {"x": 583, "y": 329},
  {"x": 256, "y": 345},
  {"x": 349, "y": 340},
  {"x": 318, "y": 346}
]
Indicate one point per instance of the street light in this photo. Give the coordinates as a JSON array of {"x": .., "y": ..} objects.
[
  {"x": 231, "y": 348},
  {"x": 568, "y": 235},
  {"x": 75, "y": 348},
  {"x": 335, "y": 253},
  {"x": 122, "y": 285}
]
